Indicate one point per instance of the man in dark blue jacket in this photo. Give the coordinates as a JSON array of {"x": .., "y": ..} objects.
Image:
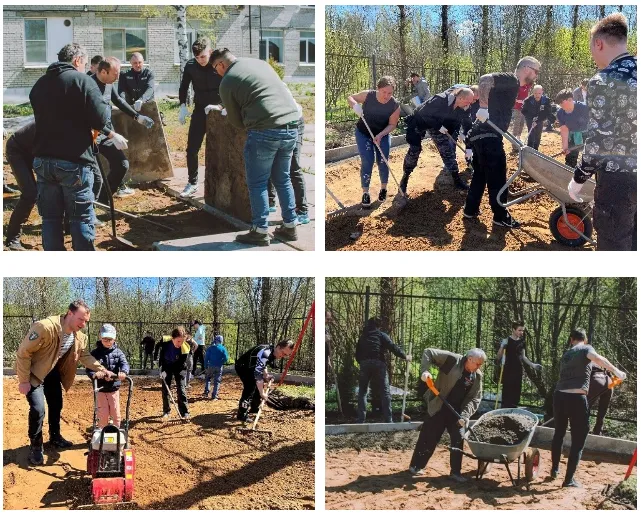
[
  {"x": 536, "y": 109},
  {"x": 441, "y": 114},
  {"x": 136, "y": 86},
  {"x": 371, "y": 353}
]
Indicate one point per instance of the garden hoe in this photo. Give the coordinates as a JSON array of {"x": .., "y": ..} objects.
[
  {"x": 252, "y": 430},
  {"x": 400, "y": 200},
  {"x": 432, "y": 387}
]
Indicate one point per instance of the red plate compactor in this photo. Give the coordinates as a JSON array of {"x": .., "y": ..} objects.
[{"x": 111, "y": 460}]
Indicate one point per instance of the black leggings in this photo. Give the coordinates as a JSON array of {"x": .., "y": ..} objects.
[{"x": 570, "y": 407}]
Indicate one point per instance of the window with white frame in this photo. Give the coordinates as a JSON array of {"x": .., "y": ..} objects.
[
  {"x": 124, "y": 36},
  {"x": 35, "y": 40},
  {"x": 307, "y": 48},
  {"x": 271, "y": 45}
]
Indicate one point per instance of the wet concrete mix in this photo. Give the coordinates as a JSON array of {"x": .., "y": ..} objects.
[{"x": 507, "y": 429}]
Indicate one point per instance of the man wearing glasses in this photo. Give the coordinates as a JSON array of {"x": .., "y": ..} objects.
[
  {"x": 497, "y": 95},
  {"x": 205, "y": 82}
]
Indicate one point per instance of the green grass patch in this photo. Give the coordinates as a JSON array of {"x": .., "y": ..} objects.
[
  {"x": 296, "y": 391},
  {"x": 13, "y": 111}
]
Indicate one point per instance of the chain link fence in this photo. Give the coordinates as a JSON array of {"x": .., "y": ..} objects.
[
  {"x": 238, "y": 336},
  {"x": 458, "y": 324}
]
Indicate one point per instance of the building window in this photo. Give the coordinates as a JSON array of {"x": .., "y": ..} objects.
[
  {"x": 124, "y": 36},
  {"x": 307, "y": 48},
  {"x": 35, "y": 41},
  {"x": 271, "y": 45}
]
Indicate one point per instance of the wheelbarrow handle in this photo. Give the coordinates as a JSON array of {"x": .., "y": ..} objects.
[
  {"x": 506, "y": 134},
  {"x": 432, "y": 387}
]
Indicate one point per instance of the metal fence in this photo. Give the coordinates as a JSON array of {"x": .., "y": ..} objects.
[
  {"x": 239, "y": 337},
  {"x": 348, "y": 74},
  {"x": 458, "y": 324}
]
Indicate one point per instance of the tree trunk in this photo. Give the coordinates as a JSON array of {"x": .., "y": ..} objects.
[
  {"x": 402, "y": 30},
  {"x": 485, "y": 37},
  {"x": 183, "y": 51},
  {"x": 444, "y": 30},
  {"x": 265, "y": 303},
  {"x": 518, "y": 35},
  {"x": 602, "y": 11}
]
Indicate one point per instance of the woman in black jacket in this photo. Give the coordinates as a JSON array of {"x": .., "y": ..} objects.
[{"x": 173, "y": 363}]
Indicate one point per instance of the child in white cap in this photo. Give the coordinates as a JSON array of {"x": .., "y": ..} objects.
[{"x": 114, "y": 360}]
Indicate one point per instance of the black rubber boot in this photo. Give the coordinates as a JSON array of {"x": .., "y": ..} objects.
[
  {"x": 286, "y": 233},
  {"x": 36, "y": 454}
]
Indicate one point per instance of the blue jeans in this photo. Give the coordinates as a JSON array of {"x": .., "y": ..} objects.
[
  {"x": 216, "y": 374},
  {"x": 65, "y": 187},
  {"x": 369, "y": 153},
  {"x": 374, "y": 373},
  {"x": 50, "y": 391},
  {"x": 268, "y": 153}
]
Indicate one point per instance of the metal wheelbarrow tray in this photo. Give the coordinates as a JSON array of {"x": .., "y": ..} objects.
[
  {"x": 486, "y": 453},
  {"x": 571, "y": 222}
]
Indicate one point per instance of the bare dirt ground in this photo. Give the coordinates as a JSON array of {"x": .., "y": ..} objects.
[
  {"x": 361, "y": 474},
  {"x": 433, "y": 219},
  {"x": 199, "y": 465}
]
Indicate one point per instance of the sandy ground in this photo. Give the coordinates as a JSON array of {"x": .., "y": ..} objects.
[
  {"x": 377, "y": 478},
  {"x": 433, "y": 219},
  {"x": 200, "y": 465}
]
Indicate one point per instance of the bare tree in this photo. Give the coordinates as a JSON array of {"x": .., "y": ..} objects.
[{"x": 444, "y": 30}]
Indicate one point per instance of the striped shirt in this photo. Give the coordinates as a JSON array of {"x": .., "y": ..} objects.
[{"x": 67, "y": 342}]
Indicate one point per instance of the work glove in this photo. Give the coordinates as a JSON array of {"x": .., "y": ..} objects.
[
  {"x": 223, "y": 112},
  {"x": 138, "y": 105},
  {"x": 620, "y": 375},
  {"x": 425, "y": 376},
  {"x": 468, "y": 154},
  {"x": 463, "y": 423},
  {"x": 163, "y": 375},
  {"x": 182, "y": 114},
  {"x": 119, "y": 141},
  {"x": 538, "y": 367},
  {"x": 574, "y": 188},
  {"x": 482, "y": 115},
  {"x": 443, "y": 130},
  {"x": 145, "y": 120},
  {"x": 213, "y": 107},
  {"x": 358, "y": 109}
]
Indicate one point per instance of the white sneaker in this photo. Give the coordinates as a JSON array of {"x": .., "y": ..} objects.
[
  {"x": 124, "y": 191},
  {"x": 189, "y": 191},
  {"x": 165, "y": 418}
]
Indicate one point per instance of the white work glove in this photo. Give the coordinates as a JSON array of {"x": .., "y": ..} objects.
[
  {"x": 183, "y": 373},
  {"x": 213, "y": 107},
  {"x": 425, "y": 376},
  {"x": 482, "y": 115},
  {"x": 224, "y": 112},
  {"x": 163, "y": 375},
  {"x": 468, "y": 154},
  {"x": 358, "y": 109},
  {"x": 119, "y": 141},
  {"x": 138, "y": 105},
  {"x": 146, "y": 121},
  {"x": 182, "y": 114},
  {"x": 463, "y": 422},
  {"x": 620, "y": 375},
  {"x": 538, "y": 367},
  {"x": 443, "y": 130},
  {"x": 574, "y": 188}
]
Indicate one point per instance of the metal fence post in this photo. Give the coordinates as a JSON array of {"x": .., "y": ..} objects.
[
  {"x": 591, "y": 322},
  {"x": 479, "y": 320},
  {"x": 367, "y": 290},
  {"x": 373, "y": 71},
  {"x": 237, "y": 339}
]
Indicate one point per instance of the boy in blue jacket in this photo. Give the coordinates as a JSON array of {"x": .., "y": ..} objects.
[
  {"x": 114, "y": 360},
  {"x": 215, "y": 358}
]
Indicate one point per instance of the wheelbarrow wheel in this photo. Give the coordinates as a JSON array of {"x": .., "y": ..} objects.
[
  {"x": 532, "y": 459},
  {"x": 563, "y": 233}
]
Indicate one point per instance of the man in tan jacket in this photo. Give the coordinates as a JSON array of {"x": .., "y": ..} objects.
[
  {"x": 46, "y": 362},
  {"x": 460, "y": 382}
]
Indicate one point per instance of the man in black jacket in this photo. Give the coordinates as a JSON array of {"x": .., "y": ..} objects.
[
  {"x": 67, "y": 106},
  {"x": 206, "y": 83},
  {"x": 441, "y": 114},
  {"x": 497, "y": 95},
  {"x": 173, "y": 364},
  {"x": 110, "y": 143},
  {"x": 147, "y": 345},
  {"x": 19, "y": 155},
  {"x": 136, "y": 86},
  {"x": 536, "y": 109},
  {"x": 371, "y": 353}
]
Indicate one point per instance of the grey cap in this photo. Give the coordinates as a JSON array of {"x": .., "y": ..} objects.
[{"x": 108, "y": 330}]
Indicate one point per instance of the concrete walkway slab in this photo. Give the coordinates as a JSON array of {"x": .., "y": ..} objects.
[{"x": 219, "y": 243}]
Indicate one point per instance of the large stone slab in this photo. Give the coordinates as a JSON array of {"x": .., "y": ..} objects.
[
  {"x": 219, "y": 243},
  {"x": 225, "y": 183},
  {"x": 148, "y": 153}
]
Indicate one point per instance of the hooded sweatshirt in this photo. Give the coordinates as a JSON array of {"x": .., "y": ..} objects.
[
  {"x": 67, "y": 105},
  {"x": 112, "y": 359}
]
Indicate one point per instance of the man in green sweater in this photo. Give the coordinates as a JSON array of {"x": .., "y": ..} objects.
[{"x": 258, "y": 101}]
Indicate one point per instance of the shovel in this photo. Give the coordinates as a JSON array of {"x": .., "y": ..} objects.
[
  {"x": 400, "y": 200},
  {"x": 407, "y": 375},
  {"x": 114, "y": 235},
  {"x": 496, "y": 403},
  {"x": 571, "y": 149},
  {"x": 253, "y": 430},
  {"x": 432, "y": 387}
]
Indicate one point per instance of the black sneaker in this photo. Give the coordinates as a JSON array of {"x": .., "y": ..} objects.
[
  {"x": 60, "y": 442},
  {"x": 8, "y": 190},
  {"x": 36, "y": 455},
  {"x": 366, "y": 201},
  {"x": 457, "y": 477},
  {"x": 458, "y": 182},
  {"x": 554, "y": 473},
  {"x": 508, "y": 222},
  {"x": 14, "y": 245},
  {"x": 253, "y": 237},
  {"x": 286, "y": 233},
  {"x": 572, "y": 483},
  {"x": 382, "y": 195}
]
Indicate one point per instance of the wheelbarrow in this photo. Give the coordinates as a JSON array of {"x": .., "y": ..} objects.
[
  {"x": 486, "y": 453},
  {"x": 571, "y": 222}
]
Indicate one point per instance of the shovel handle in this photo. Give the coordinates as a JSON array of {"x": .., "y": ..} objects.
[
  {"x": 615, "y": 382},
  {"x": 382, "y": 154},
  {"x": 432, "y": 387}
]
